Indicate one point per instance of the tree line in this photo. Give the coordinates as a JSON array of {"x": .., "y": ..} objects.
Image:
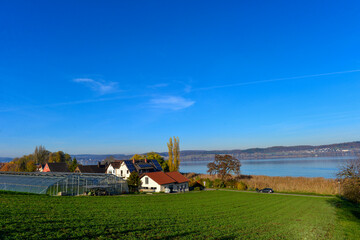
[{"x": 29, "y": 163}]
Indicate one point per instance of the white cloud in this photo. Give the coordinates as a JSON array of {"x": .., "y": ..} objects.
[
  {"x": 98, "y": 86},
  {"x": 171, "y": 102}
]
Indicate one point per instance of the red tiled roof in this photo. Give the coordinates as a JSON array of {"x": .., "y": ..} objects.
[
  {"x": 166, "y": 178},
  {"x": 160, "y": 177},
  {"x": 178, "y": 177}
]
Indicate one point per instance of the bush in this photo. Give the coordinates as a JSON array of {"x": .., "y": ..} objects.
[
  {"x": 351, "y": 190},
  {"x": 241, "y": 186},
  {"x": 209, "y": 183},
  {"x": 218, "y": 183},
  {"x": 231, "y": 183},
  {"x": 197, "y": 189},
  {"x": 350, "y": 176}
]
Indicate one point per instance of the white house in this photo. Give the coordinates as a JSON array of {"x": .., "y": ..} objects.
[
  {"x": 123, "y": 168},
  {"x": 113, "y": 168},
  {"x": 161, "y": 182}
]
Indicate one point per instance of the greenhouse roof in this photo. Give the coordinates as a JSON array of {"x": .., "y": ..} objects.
[
  {"x": 53, "y": 174},
  {"x": 42, "y": 182}
]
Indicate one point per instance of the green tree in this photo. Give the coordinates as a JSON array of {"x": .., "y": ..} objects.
[
  {"x": 159, "y": 158},
  {"x": 30, "y": 166},
  {"x": 59, "y": 157},
  {"x": 223, "y": 166},
  {"x": 73, "y": 165},
  {"x": 21, "y": 164},
  {"x": 134, "y": 182},
  {"x": 138, "y": 157},
  {"x": 67, "y": 158}
]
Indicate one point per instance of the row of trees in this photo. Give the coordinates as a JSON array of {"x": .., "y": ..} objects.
[{"x": 27, "y": 163}]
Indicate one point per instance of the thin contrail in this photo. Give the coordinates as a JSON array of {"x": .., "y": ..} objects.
[
  {"x": 95, "y": 100},
  {"x": 274, "y": 80}
]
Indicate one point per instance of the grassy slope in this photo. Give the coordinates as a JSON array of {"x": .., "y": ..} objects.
[{"x": 215, "y": 214}]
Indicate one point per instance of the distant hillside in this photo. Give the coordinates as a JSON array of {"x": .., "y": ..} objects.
[{"x": 5, "y": 159}]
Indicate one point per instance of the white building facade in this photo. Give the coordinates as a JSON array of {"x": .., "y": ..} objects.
[{"x": 164, "y": 182}]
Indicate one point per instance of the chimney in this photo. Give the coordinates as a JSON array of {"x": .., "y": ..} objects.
[
  {"x": 145, "y": 160},
  {"x": 133, "y": 160}
]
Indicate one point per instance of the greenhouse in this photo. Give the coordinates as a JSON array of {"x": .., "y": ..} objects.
[{"x": 63, "y": 184}]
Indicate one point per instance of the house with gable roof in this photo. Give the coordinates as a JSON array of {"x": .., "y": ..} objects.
[
  {"x": 161, "y": 182},
  {"x": 123, "y": 168}
]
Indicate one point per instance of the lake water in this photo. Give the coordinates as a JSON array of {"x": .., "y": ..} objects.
[{"x": 296, "y": 167}]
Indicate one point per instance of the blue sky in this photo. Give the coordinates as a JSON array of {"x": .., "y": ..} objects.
[{"x": 124, "y": 76}]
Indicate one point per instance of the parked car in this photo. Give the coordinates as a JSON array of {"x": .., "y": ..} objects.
[{"x": 265, "y": 190}]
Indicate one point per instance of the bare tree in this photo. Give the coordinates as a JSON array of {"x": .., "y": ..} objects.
[
  {"x": 41, "y": 155},
  {"x": 224, "y": 165}
]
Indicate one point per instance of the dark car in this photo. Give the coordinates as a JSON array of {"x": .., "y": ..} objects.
[{"x": 265, "y": 190}]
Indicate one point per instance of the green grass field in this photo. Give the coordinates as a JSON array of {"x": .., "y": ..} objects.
[{"x": 211, "y": 214}]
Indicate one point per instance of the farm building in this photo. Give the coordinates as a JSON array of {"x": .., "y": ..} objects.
[
  {"x": 160, "y": 182},
  {"x": 70, "y": 184},
  {"x": 123, "y": 168}
]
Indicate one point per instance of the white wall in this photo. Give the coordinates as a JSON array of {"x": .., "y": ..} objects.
[
  {"x": 151, "y": 184},
  {"x": 125, "y": 171},
  {"x": 117, "y": 172},
  {"x": 110, "y": 170},
  {"x": 177, "y": 187}
]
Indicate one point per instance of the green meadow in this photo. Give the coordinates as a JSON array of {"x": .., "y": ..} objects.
[{"x": 196, "y": 215}]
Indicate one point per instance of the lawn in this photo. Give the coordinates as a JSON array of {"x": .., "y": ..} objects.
[{"x": 210, "y": 214}]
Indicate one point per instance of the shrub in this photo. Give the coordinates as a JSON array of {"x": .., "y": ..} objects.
[
  {"x": 351, "y": 190},
  {"x": 350, "y": 176},
  {"x": 209, "y": 183},
  {"x": 197, "y": 189},
  {"x": 218, "y": 183},
  {"x": 241, "y": 186},
  {"x": 231, "y": 183}
]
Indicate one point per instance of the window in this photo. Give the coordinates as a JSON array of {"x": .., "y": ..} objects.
[
  {"x": 127, "y": 171},
  {"x": 146, "y": 180},
  {"x": 113, "y": 171},
  {"x": 121, "y": 174}
]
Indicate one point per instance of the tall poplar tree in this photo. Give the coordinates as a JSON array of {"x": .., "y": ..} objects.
[
  {"x": 170, "y": 160},
  {"x": 176, "y": 153}
]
